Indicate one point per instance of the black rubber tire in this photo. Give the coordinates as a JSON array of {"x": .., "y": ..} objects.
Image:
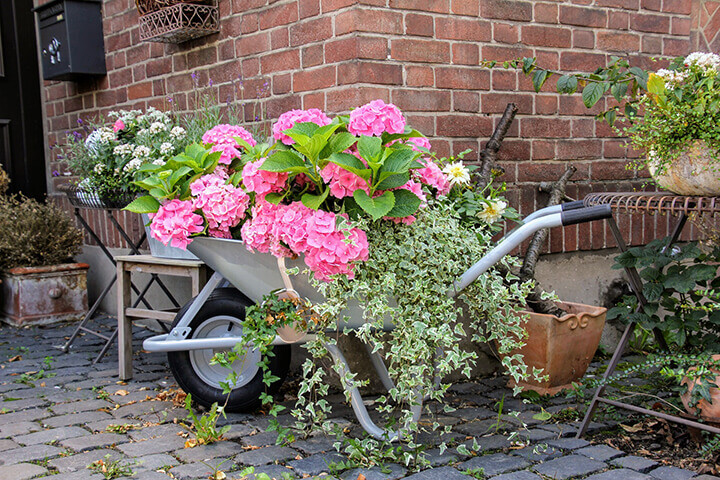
[{"x": 230, "y": 302}]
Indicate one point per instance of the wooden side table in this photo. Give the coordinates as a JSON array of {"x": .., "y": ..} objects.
[{"x": 126, "y": 266}]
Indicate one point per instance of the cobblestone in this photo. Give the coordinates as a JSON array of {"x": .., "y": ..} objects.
[
  {"x": 671, "y": 473},
  {"x": 21, "y": 471},
  {"x": 640, "y": 464},
  {"x": 47, "y": 436},
  {"x": 263, "y": 456},
  {"x": 80, "y": 444},
  {"x": 620, "y": 473},
  {"x": 569, "y": 466},
  {"x": 601, "y": 453},
  {"x": 495, "y": 464}
]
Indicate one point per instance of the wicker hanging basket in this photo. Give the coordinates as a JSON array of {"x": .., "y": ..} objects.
[{"x": 149, "y": 6}]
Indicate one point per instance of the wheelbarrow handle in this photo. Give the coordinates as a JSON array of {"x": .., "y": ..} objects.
[
  {"x": 516, "y": 237},
  {"x": 563, "y": 207}
]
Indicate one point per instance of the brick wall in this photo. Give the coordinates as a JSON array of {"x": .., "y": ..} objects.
[{"x": 423, "y": 56}]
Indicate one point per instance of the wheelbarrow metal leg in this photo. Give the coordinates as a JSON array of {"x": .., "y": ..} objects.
[
  {"x": 379, "y": 365},
  {"x": 359, "y": 407}
]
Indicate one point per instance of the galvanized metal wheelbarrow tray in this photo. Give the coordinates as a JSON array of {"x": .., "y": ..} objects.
[{"x": 256, "y": 275}]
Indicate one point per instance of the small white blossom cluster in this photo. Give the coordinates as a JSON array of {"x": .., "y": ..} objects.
[
  {"x": 99, "y": 168},
  {"x": 672, "y": 77},
  {"x": 177, "y": 133},
  {"x": 160, "y": 161},
  {"x": 166, "y": 148},
  {"x": 141, "y": 151},
  {"x": 133, "y": 164},
  {"x": 157, "y": 127},
  {"x": 708, "y": 61},
  {"x": 123, "y": 150}
]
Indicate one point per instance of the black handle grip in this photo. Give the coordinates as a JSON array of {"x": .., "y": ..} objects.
[
  {"x": 574, "y": 205},
  {"x": 587, "y": 214}
]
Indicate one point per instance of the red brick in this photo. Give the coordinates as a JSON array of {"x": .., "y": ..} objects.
[
  {"x": 618, "y": 20},
  {"x": 372, "y": 47},
  {"x": 584, "y": 62},
  {"x": 583, "y": 128},
  {"x": 252, "y": 44},
  {"x": 466, "y": 101},
  {"x": 583, "y": 39},
  {"x": 340, "y": 50},
  {"x": 282, "y": 84},
  {"x": 502, "y": 54},
  {"x": 583, "y": 17},
  {"x": 680, "y": 26},
  {"x": 250, "y": 67},
  {"x": 276, "y": 106},
  {"x": 650, "y": 23},
  {"x": 505, "y": 33},
  {"x": 332, "y": 5},
  {"x": 368, "y": 72},
  {"x": 281, "y": 14},
  {"x": 614, "y": 149},
  {"x": 651, "y": 5},
  {"x": 424, "y": 124},
  {"x": 546, "y": 36},
  {"x": 231, "y": 27},
  {"x": 573, "y": 105},
  {"x": 546, "y": 104},
  {"x": 421, "y": 100},
  {"x": 465, "y": 54},
  {"x": 140, "y": 90},
  {"x": 463, "y": 126},
  {"x": 226, "y": 50},
  {"x": 610, "y": 170},
  {"x": 250, "y": 23},
  {"x": 279, "y": 38},
  {"x": 314, "y": 100},
  {"x": 493, "y": 102},
  {"x": 417, "y": 76},
  {"x": 430, "y": 51},
  {"x": 543, "y": 149},
  {"x": 682, "y": 7},
  {"x": 539, "y": 172},
  {"x": 465, "y": 7},
  {"x": 578, "y": 149},
  {"x": 344, "y": 100},
  {"x": 546, "y": 13},
  {"x": 308, "y": 8},
  {"x": 437, "y": 6},
  {"x": 367, "y": 20},
  {"x": 676, "y": 47},
  {"x": 462, "y": 78},
  {"x": 420, "y": 25},
  {"x": 651, "y": 44},
  {"x": 618, "y": 42},
  {"x": 626, "y": 4},
  {"x": 504, "y": 80},
  {"x": 312, "y": 56},
  {"x": 465, "y": 29},
  {"x": 506, "y": 10},
  {"x": 280, "y": 61},
  {"x": 310, "y": 31},
  {"x": 544, "y": 128},
  {"x": 314, "y": 79}
]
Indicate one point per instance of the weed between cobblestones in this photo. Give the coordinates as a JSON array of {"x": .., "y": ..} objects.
[{"x": 112, "y": 469}]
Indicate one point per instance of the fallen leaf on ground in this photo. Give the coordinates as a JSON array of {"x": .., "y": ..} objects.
[
  {"x": 15, "y": 358},
  {"x": 122, "y": 393},
  {"x": 190, "y": 443}
]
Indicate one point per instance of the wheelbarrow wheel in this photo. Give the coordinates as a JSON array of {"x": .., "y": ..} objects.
[{"x": 220, "y": 316}]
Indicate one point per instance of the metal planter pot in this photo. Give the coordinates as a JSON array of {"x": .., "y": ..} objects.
[
  {"x": 158, "y": 249},
  {"x": 44, "y": 295}
]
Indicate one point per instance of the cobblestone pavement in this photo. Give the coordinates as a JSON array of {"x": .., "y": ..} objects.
[{"x": 55, "y": 423}]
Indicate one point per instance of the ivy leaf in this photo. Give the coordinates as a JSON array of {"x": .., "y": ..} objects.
[
  {"x": 144, "y": 204},
  {"x": 376, "y": 207},
  {"x": 592, "y": 93},
  {"x": 406, "y": 203},
  {"x": 314, "y": 201},
  {"x": 284, "y": 161}
]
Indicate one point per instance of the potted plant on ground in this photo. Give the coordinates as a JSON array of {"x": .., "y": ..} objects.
[
  {"x": 672, "y": 114},
  {"x": 378, "y": 220},
  {"x": 40, "y": 284}
]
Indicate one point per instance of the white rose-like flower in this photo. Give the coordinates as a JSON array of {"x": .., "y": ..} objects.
[
  {"x": 493, "y": 211},
  {"x": 457, "y": 173},
  {"x": 141, "y": 151},
  {"x": 166, "y": 148}
]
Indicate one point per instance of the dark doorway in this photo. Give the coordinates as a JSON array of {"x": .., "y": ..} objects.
[{"x": 22, "y": 153}]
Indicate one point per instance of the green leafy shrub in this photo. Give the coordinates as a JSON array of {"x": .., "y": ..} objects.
[{"x": 34, "y": 234}]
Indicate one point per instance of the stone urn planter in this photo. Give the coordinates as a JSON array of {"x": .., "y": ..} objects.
[
  {"x": 695, "y": 172},
  {"x": 708, "y": 411},
  {"x": 562, "y": 346},
  {"x": 43, "y": 295}
]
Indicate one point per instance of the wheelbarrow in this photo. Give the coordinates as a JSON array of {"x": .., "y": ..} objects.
[{"x": 212, "y": 321}]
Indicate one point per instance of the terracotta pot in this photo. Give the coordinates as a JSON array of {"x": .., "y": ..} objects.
[
  {"x": 693, "y": 173},
  {"x": 708, "y": 411},
  {"x": 44, "y": 295},
  {"x": 562, "y": 346}
]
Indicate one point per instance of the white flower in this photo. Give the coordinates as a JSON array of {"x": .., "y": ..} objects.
[
  {"x": 141, "y": 151},
  {"x": 457, "y": 173},
  {"x": 98, "y": 168},
  {"x": 133, "y": 164},
  {"x": 177, "y": 133},
  {"x": 160, "y": 161},
  {"x": 493, "y": 211},
  {"x": 105, "y": 135},
  {"x": 672, "y": 77},
  {"x": 157, "y": 127},
  {"x": 142, "y": 132},
  {"x": 709, "y": 61},
  {"x": 123, "y": 150},
  {"x": 166, "y": 148}
]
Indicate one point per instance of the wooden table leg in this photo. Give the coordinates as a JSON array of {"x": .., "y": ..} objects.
[{"x": 124, "y": 323}]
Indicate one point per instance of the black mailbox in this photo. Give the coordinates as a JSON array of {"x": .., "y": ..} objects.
[{"x": 71, "y": 39}]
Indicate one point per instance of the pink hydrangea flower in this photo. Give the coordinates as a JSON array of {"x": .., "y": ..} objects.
[
  {"x": 257, "y": 233},
  {"x": 432, "y": 176},
  {"x": 222, "y": 139},
  {"x": 342, "y": 182},
  {"x": 288, "y": 120},
  {"x": 174, "y": 222},
  {"x": 291, "y": 221},
  {"x": 415, "y": 188},
  {"x": 260, "y": 181},
  {"x": 375, "y": 118},
  {"x": 338, "y": 255},
  {"x": 119, "y": 125},
  {"x": 222, "y": 204},
  {"x": 414, "y": 143}
]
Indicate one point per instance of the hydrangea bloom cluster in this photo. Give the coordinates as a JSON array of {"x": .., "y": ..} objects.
[
  {"x": 222, "y": 139},
  {"x": 286, "y": 229},
  {"x": 432, "y": 176},
  {"x": 342, "y": 182},
  {"x": 375, "y": 118},
  {"x": 175, "y": 222},
  {"x": 261, "y": 181},
  {"x": 288, "y": 120},
  {"x": 222, "y": 204}
]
